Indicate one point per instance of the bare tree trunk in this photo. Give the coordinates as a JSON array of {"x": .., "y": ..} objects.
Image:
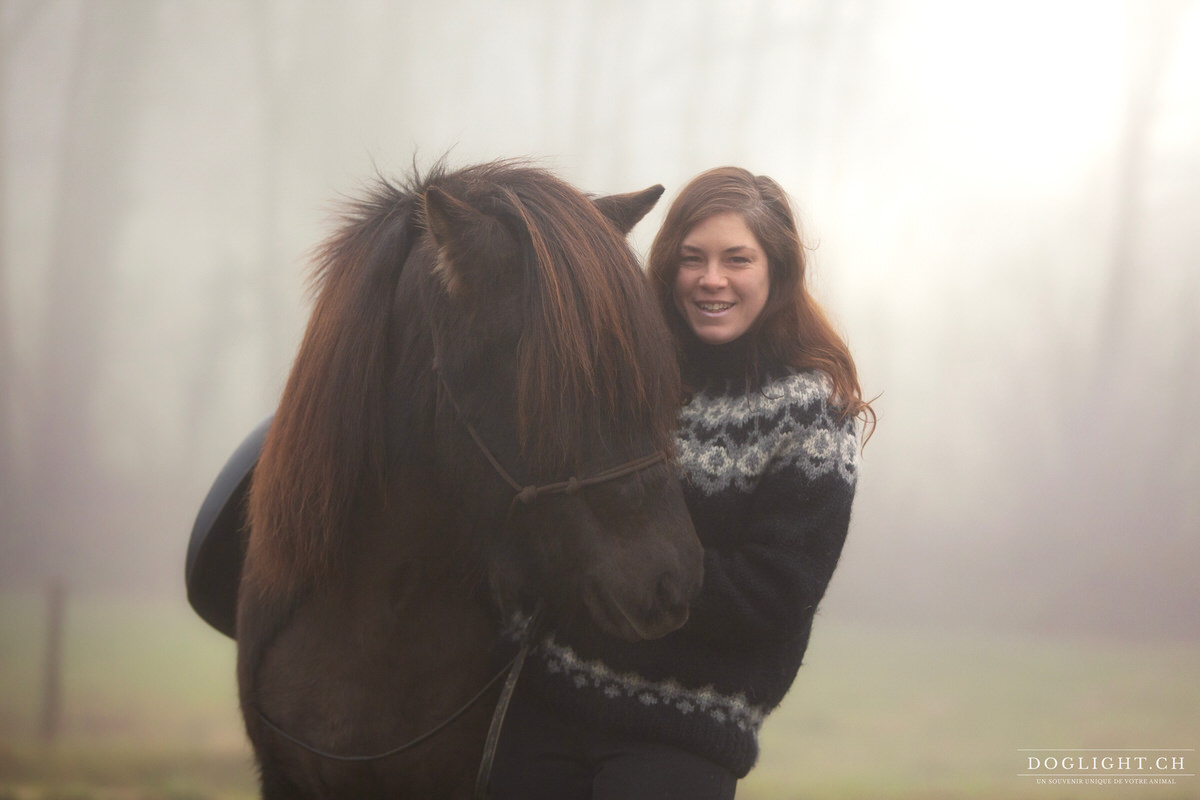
[
  {"x": 1151, "y": 44},
  {"x": 92, "y": 198},
  {"x": 8, "y": 472},
  {"x": 271, "y": 300},
  {"x": 52, "y": 669},
  {"x": 226, "y": 329}
]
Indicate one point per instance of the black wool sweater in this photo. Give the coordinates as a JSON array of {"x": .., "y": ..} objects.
[{"x": 769, "y": 477}]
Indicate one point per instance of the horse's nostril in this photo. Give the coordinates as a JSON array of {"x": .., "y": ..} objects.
[{"x": 667, "y": 593}]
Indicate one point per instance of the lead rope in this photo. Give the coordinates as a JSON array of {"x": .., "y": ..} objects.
[
  {"x": 513, "y": 670},
  {"x": 506, "y": 694},
  {"x": 395, "y": 750}
]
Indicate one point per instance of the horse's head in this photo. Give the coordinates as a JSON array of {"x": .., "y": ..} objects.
[
  {"x": 558, "y": 386},
  {"x": 552, "y": 361}
]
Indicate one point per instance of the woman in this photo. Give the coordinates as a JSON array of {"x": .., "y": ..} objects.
[{"x": 768, "y": 451}]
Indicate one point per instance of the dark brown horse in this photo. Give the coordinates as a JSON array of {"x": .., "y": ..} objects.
[{"x": 494, "y": 314}]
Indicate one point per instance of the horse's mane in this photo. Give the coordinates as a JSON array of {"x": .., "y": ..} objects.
[{"x": 592, "y": 342}]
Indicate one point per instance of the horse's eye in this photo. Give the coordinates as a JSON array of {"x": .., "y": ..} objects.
[{"x": 628, "y": 495}]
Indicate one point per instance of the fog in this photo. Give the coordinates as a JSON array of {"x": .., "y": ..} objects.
[{"x": 1002, "y": 198}]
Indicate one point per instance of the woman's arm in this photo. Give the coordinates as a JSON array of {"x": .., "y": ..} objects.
[
  {"x": 772, "y": 545},
  {"x": 767, "y": 582}
]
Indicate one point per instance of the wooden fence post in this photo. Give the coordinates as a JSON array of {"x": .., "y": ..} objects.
[{"x": 52, "y": 686}]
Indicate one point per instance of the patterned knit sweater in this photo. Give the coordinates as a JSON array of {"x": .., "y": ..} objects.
[{"x": 769, "y": 478}]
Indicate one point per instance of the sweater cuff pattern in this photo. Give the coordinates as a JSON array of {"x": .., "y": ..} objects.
[{"x": 670, "y": 694}]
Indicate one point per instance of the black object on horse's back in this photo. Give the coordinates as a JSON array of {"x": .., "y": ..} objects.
[{"x": 217, "y": 548}]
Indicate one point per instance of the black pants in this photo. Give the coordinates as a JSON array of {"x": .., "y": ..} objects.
[{"x": 543, "y": 757}]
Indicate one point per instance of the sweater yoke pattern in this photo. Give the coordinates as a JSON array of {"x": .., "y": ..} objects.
[{"x": 729, "y": 441}]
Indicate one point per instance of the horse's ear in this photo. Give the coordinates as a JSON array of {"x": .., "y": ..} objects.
[
  {"x": 466, "y": 237},
  {"x": 627, "y": 210}
]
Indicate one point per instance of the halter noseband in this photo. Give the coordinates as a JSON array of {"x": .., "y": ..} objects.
[{"x": 525, "y": 495}]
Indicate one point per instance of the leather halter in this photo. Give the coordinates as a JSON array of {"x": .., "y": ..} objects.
[
  {"x": 528, "y": 493},
  {"x": 524, "y": 495}
]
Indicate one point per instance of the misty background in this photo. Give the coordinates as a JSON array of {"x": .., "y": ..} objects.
[{"x": 1002, "y": 198}]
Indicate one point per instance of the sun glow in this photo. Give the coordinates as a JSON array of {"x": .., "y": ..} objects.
[{"x": 1010, "y": 95}]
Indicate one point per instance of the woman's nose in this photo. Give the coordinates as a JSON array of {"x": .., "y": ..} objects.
[{"x": 712, "y": 277}]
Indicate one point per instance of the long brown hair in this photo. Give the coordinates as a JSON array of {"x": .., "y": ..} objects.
[{"x": 792, "y": 329}]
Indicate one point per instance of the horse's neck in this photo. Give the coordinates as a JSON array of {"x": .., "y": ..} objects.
[{"x": 409, "y": 546}]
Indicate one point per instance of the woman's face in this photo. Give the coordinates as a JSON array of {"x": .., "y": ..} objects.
[{"x": 723, "y": 279}]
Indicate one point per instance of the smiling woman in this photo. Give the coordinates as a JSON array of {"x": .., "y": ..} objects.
[{"x": 723, "y": 281}]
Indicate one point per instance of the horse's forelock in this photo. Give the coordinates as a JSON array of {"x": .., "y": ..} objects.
[{"x": 593, "y": 341}]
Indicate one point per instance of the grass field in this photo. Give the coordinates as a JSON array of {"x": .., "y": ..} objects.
[{"x": 149, "y": 711}]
